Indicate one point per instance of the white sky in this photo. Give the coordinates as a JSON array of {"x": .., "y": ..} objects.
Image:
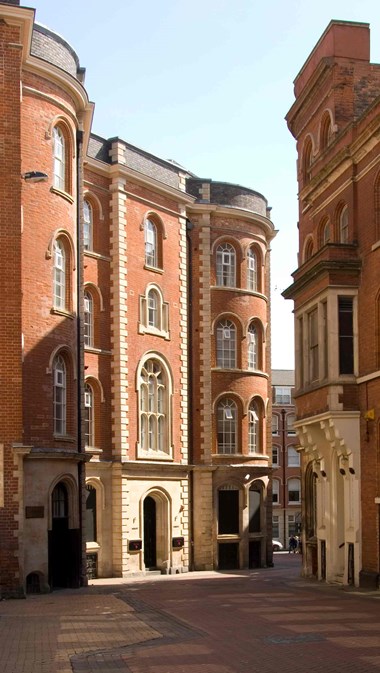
[{"x": 208, "y": 84}]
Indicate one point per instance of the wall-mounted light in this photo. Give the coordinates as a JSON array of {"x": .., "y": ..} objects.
[
  {"x": 35, "y": 176},
  {"x": 368, "y": 416}
]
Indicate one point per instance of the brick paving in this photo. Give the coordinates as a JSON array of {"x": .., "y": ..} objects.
[{"x": 238, "y": 622}]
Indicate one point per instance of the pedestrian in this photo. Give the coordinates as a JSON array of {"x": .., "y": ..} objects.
[{"x": 292, "y": 544}]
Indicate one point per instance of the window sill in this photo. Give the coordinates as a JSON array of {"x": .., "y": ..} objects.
[
  {"x": 62, "y": 312},
  {"x": 63, "y": 194},
  {"x": 96, "y": 351},
  {"x": 153, "y": 455},
  {"x": 237, "y": 370},
  {"x": 258, "y": 456},
  {"x": 162, "y": 334},
  {"x": 96, "y": 255},
  {"x": 240, "y": 290},
  {"x": 64, "y": 438},
  {"x": 95, "y": 451},
  {"x": 156, "y": 269}
]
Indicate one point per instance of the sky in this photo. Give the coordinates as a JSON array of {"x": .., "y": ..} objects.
[{"x": 208, "y": 83}]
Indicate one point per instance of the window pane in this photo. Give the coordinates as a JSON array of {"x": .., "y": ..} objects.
[
  {"x": 88, "y": 319},
  {"x": 283, "y": 395},
  {"x": 87, "y": 225},
  {"x": 90, "y": 531},
  {"x": 252, "y": 270},
  {"x": 275, "y": 491},
  {"x": 150, "y": 243},
  {"x": 227, "y": 426},
  {"x": 226, "y": 344},
  {"x": 293, "y": 457},
  {"x": 346, "y": 335},
  {"x": 294, "y": 490},
  {"x": 225, "y": 265},
  {"x": 153, "y": 408},
  {"x": 252, "y": 348},
  {"x": 254, "y": 428},
  {"x": 313, "y": 346},
  {"x": 59, "y": 276},
  {"x": 275, "y": 460},
  {"x": 59, "y": 396},
  {"x": 58, "y": 159},
  {"x": 274, "y": 424},
  {"x": 290, "y": 424},
  {"x": 88, "y": 416}
]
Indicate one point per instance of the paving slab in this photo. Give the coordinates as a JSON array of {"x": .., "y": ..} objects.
[{"x": 265, "y": 620}]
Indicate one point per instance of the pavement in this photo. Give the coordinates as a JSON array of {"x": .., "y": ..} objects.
[{"x": 265, "y": 620}]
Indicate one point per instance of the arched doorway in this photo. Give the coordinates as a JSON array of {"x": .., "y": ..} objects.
[
  {"x": 150, "y": 533},
  {"x": 63, "y": 542}
]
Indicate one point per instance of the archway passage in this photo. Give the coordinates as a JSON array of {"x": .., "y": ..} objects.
[
  {"x": 150, "y": 533},
  {"x": 63, "y": 542}
]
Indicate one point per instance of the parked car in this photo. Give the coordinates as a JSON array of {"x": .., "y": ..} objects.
[{"x": 277, "y": 546}]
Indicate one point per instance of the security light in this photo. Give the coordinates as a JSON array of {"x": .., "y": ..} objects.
[{"x": 35, "y": 176}]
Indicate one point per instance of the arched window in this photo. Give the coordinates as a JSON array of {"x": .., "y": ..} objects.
[
  {"x": 253, "y": 351},
  {"x": 91, "y": 527},
  {"x": 227, "y": 417},
  {"x": 226, "y": 344},
  {"x": 89, "y": 423},
  {"x": 326, "y": 233},
  {"x": 59, "y": 395},
  {"x": 254, "y": 428},
  {"x": 59, "y": 275},
  {"x": 309, "y": 249},
  {"x": 276, "y": 491},
  {"x": 252, "y": 271},
  {"x": 343, "y": 226},
  {"x": 88, "y": 319},
  {"x": 59, "y": 159},
  {"x": 294, "y": 491},
  {"x": 226, "y": 265},
  {"x": 151, "y": 253},
  {"x": 88, "y": 226},
  {"x": 275, "y": 456},
  {"x": 154, "y": 407},
  {"x": 293, "y": 457},
  {"x": 59, "y": 502},
  {"x": 326, "y": 130},
  {"x": 153, "y": 309},
  {"x": 154, "y": 313},
  {"x": 306, "y": 160}
]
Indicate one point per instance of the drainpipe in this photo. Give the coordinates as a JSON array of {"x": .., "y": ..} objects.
[
  {"x": 283, "y": 446},
  {"x": 81, "y": 475}
]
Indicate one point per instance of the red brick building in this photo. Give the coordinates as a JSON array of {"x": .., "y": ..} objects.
[
  {"x": 135, "y": 397},
  {"x": 286, "y": 483},
  {"x": 335, "y": 120}
]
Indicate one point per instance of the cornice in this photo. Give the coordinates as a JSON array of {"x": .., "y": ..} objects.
[
  {"x": 231, "y": 211},
  {"x": 119, "y": 171},
  {"x": 308, "y": 276},
  {"x": 316, "y": 80}
]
